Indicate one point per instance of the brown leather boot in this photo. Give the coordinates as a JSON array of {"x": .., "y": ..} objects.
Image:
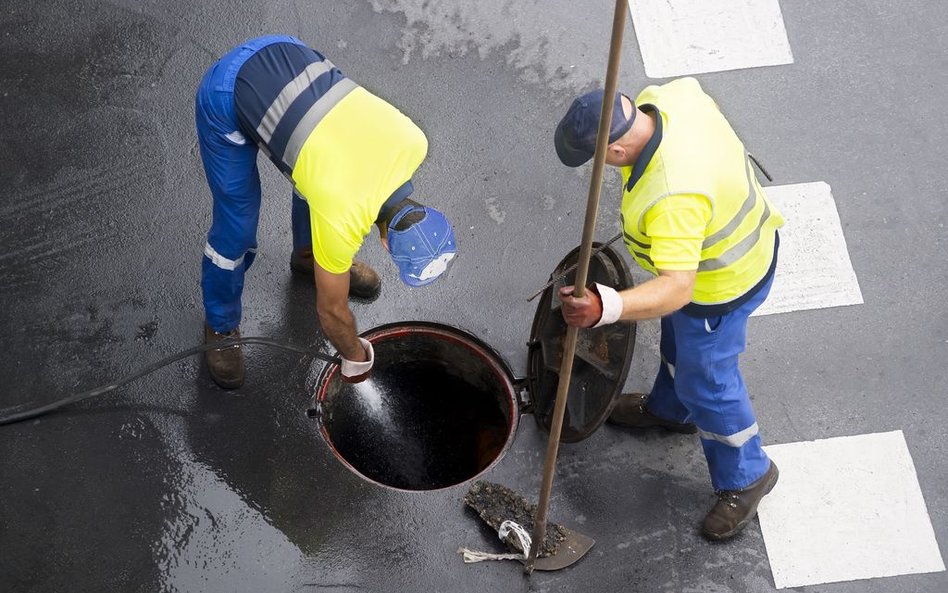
[
  {"x": 364, "y": 282},
  {"x": 226, "y": 365},
  {"x": 735, "y": 508},
  {"x": 629, "y": 410},
  {"x": 301, "y": 261}
]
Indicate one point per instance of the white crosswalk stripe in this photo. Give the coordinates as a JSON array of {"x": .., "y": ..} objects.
[
  {"x": 679, "y": 37},
  {"x": 813, "y": 270},
  {"x": 846, "y": 508}
]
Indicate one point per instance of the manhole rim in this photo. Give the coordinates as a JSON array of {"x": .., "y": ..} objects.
[{"x": 457, "y": 335}]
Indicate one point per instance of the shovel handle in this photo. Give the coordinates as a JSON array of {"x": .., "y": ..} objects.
[
  {"x": 566, "y": 272},
  {"x": 569, "y": 345}
]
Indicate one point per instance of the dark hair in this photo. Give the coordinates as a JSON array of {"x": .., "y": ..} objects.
[
  {"x": 409, "y": 219},
  {"x": 406, "y": 221}
]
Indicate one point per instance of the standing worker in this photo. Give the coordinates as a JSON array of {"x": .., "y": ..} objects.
[
  {"x": 695, "y": 216},
  {"x": 350, "y": 157}
]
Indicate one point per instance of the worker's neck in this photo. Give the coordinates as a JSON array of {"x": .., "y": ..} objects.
[{"x": 638, "y": 136}]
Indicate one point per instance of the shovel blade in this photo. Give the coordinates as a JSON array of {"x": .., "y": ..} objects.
[{"x": 567, "y": 553}]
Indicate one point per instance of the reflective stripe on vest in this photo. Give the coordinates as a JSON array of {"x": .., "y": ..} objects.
[
  {"x": 744, "y": 246},
  {"x": 312, "y": 118},
  {"x": 639, "y": 249},
  {"x": 290, "y": 93},
  {"x": 317, "y": 111},
  {"x": 631, "y": 242}
]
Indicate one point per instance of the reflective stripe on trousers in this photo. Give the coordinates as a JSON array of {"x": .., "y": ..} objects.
[
  {"x": 224, "y": 263},
  {"x": 699, "y": 381}
]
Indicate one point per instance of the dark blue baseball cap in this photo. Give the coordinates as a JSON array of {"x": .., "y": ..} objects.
[{"x": 575, "y": 137}]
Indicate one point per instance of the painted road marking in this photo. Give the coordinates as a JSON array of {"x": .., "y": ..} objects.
[
  {"x": 845, "y": 509},
  {"x": 678, "y": 37},
  {"x": 814, "y": 270}
]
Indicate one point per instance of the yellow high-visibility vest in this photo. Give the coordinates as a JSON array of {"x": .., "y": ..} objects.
[{"x": 699, "y": 153}]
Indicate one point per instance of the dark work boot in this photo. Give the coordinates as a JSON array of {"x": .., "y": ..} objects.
[
  {"x": 364, "y": 282},
  {"x": 301, "y": 261},
  {"x": 226, "y": 365},
  {"x": 630, "y": 411},
  {"x": 735, "y": 508}
]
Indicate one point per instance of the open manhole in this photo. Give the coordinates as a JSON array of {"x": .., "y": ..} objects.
[
  {"x": 441, "y": 406},
  {"x": 438, "y": 409}
]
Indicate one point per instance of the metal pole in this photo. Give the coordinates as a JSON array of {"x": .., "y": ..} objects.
[
  {"x": 569, "y": 345},
  {"x": 566, "y": 272}
]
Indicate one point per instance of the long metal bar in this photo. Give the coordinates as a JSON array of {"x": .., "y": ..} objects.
[{"x": 569, "y": 345}]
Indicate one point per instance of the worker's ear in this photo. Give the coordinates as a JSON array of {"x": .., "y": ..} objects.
[{"x": 615, "y": 154}]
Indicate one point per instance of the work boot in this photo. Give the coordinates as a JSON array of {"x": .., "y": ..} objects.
[
  {"x": 630, "y": 411},
  {"x": 364, "y": 282},
  {"x": 225, "y": 365},
  {"x": 735, "y": 508},
  {"x": 301, "y": 261}
]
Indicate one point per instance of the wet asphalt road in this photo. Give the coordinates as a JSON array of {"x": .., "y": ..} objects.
[{"x": 175, "y": 485}]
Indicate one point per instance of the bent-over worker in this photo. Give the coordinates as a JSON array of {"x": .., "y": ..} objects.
[{"x": 350, "y": 157}]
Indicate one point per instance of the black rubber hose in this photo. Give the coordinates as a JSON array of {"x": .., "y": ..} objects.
[{"x": 34, "y": 412}]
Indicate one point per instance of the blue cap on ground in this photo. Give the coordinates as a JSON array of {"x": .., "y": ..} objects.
[
  {"x": 423, "y": 251},
  {"x": 575, "y": 137}
]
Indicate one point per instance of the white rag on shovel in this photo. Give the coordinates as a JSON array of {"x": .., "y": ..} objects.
[{"x": 471, "y": 556}]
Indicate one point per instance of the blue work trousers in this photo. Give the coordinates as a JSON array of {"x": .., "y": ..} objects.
[
  {"x": 230, "y": 164},
  {"x": 699, "y": 381}
]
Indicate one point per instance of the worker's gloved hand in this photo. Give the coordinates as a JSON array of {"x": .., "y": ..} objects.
[
  {"x": 356, "y": 372},
  {"x": 600, "y": 306}
]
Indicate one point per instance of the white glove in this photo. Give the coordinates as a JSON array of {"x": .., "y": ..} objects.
[
  {"x": 355, "y": 372},
  {"x": 611, "y": 305}
]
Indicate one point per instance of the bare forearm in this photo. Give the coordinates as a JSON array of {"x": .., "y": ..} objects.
[
  {"x": 655, "y": 298},
  {"x": 339, "y": 326}
]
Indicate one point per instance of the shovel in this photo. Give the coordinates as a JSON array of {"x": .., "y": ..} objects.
[
  {"x": 553, "y": 547},
  {"x": 576, "y": 544},
  {"x": 500, "y": 506}
]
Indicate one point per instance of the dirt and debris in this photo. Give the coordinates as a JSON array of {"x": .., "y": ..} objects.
[{"x": 496, "y": 503}]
